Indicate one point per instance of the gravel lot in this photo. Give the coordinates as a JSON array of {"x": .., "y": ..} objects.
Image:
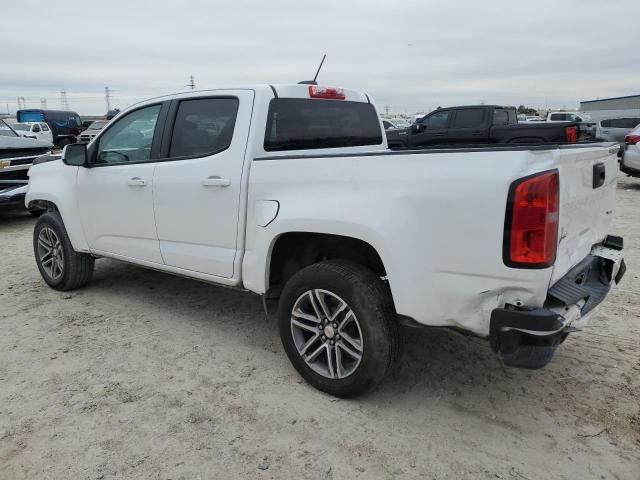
[{"x": 145, "y": 375}]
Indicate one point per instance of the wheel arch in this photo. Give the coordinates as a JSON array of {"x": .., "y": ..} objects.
[{"x": 292, "y": 251}]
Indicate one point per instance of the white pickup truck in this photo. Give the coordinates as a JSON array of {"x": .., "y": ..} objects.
[{"x": 289, "y": 191}]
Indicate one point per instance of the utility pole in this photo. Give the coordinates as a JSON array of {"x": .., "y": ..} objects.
[
  {"x": 386, "y": 109},
  {"x": 64, "y": 101},
  {"x": 43, "y": 103},
  {"x": 107, "y": 98},
  {"x": 192, "y": 82},
  {"x": 21, "y": 103}
]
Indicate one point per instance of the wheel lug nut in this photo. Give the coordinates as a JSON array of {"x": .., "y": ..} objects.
[
  {"x": 323, "y": 338},
  {"x": 335, "y": 325},
  {"x": 338, "y": 336},
  {"x": 332, "y": 342}
]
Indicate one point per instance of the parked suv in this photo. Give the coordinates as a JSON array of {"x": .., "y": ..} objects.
[
  {"x": 630, "y": 161},
  {"x": 615, "y": 129}
]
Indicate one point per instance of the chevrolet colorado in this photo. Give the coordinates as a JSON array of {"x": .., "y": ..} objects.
[
  {"x": 289, "y": 191},
  {"x": 477, "y": 125}
]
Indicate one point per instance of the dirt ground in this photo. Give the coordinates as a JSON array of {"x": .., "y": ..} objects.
[{"x": 145, "y": 375}]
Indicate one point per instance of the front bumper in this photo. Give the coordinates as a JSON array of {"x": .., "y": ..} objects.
[
  {"x": 12, "y": 197},
  {"x": 527, "y": 337}
]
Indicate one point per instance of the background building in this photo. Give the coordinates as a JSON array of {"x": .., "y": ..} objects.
[{"x": 612, "y": 107}]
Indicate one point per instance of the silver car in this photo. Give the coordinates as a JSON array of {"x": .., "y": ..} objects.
[
  {"x": 630, "y": 161},
  {"x": 615, "y": 129}
]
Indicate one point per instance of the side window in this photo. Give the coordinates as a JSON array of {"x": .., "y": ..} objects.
[
  {"x": 36, "y": 128},
  {"x": 203, "y": 126},
  {"x": 632, "y": 122},
  {"x": 129, "y": 139},
  {"x": 469, "y": 118},
  {"x": 438, "y": 120},
  {"x": 558, "y": 117},
  {"x": 500, "y": 116},
  {"x": 45, "y": 127},
  {"x": 605, "y": 123}
]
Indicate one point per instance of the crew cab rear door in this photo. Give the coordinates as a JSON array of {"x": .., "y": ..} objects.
[
  {"x": 469, "y": 126},
  {"x": 588, "y": 179},
  {"x": 196, "y": 186}
]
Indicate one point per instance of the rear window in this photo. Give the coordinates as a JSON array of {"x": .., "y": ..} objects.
[{"x": 301, "y": 124}]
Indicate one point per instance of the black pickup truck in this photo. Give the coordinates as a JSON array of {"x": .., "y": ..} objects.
[{"x": 477, "y": 125}]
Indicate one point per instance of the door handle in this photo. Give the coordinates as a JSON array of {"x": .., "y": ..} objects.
[
  {"x": 216, "y": 182},
  {"x": 136, "y": 182}
]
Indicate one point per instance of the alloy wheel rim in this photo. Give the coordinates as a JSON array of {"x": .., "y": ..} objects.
[
  {"x": 327, "y": 334},
  {"x": 50, "y": 253}
]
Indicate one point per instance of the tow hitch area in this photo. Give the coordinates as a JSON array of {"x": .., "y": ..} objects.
[{"x": 528, "y": 337}]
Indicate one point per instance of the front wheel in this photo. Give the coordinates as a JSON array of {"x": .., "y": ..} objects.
[
  {"x": 60, "y": 266},
  {"x": 337, "y": 324}
]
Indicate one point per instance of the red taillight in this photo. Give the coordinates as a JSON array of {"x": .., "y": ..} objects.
[
  {"x": 571, "y": 134},
  {"x": 531, "y": 226},
  {"x": 330, "y": 93},
  {"x": 632, "y": 139}
]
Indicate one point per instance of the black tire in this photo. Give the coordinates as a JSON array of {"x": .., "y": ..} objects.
[
  {"x": 77, "y": 268},
  {"x": 367, "y": 296}
]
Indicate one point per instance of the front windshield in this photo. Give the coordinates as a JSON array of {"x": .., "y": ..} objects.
[
  {"x": 21, "y": 126},
  {"x": 6, "y": 130}
]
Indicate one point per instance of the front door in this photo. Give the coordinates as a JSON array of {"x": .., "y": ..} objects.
[
  {"x": 434, "y": 130},
  {"x": 115, "y": 194},
  {"x": 197, "y": 186}
]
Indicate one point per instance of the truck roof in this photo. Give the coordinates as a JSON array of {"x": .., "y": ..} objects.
[{"x": 283, "y": 90}]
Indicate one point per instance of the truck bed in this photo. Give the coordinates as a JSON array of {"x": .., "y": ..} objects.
[{"x": 446, "y": 268}]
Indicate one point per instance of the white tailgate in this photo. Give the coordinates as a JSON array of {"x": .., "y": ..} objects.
[{"x": 585, "y": 212}]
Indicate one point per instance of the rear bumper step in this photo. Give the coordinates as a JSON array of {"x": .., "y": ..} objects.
[{"x": 527, "y": 337}]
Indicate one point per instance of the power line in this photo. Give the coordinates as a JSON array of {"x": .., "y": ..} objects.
[{"x": 192, "y": 82}]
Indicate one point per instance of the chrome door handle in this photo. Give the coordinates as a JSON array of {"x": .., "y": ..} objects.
[
  {"x": 216, "y": 182},
  {"x": 136, "y": 182}
]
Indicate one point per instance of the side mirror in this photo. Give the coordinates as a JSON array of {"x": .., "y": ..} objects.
[
  {"x": 75, "y": 154},
  {"x": 418, "y": 127}
]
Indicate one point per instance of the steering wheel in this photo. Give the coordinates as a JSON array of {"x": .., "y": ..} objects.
[{"x": 104, "y": 156}]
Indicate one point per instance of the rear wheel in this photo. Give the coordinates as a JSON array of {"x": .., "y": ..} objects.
[
  {"x": 337, "y": 324},
  {"x": 60, "y": 266}
]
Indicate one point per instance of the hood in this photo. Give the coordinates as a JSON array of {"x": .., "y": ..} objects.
[{"x": 23, "y": 142}]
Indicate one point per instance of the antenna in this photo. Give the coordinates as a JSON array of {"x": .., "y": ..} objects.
[{"x": 313, "y": 82}]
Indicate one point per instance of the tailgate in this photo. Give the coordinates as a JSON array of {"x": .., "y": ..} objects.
[{"x": 586, "y": 208}]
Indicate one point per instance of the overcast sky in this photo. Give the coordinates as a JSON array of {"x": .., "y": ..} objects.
[{"x": 410, "y": 55}]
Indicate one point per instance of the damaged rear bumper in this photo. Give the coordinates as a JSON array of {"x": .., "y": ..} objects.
[{"x": 527, "y": 337}]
